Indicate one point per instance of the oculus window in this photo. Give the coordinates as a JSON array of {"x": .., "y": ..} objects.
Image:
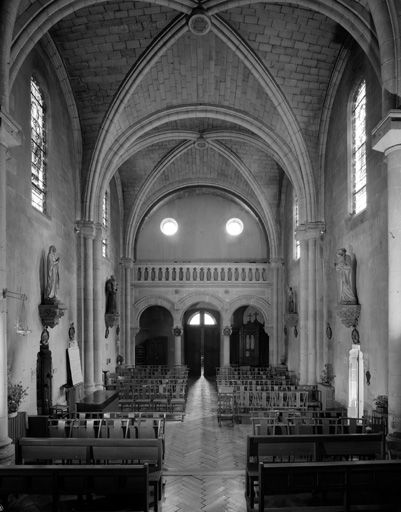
[
  {"x": 234, "y": 227},
  {"x": 169, "y": 227}
]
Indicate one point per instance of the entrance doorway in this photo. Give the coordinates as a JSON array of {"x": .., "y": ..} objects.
[{"x": 202, "y": 342}]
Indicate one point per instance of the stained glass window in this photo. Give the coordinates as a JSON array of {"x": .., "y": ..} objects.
[
  {"x": 297, "y": 248},
  {"x": 38, "y": 147},
  {"x": 105, "y": 222},
  {"x": 359, "y": 199}
]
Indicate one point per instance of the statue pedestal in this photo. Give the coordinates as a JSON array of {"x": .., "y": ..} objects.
[
  {"x": 50, "y": 312},
  {"x": 349, "y": 314}
]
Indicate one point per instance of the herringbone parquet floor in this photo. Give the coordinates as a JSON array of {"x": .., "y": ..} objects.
[
  {"x": 204, "y": 468},
  {"x": 204, "y": 463}
]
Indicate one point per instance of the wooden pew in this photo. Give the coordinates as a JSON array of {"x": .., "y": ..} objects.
[
  {"x": 39, "y": 450},
  {"x": 372, "y": 485},
  {"x": 131, "y": 482},
  {"x": 307, "y": 448}
]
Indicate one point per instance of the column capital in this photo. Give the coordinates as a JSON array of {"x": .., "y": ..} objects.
[
  {"x": 310, "y": 231},
  {"x": 387, "y": 134},
  {"x": 177, "y": 330},
  {"x": 100, "y": 231},
  {"x": 127, "y": 262},
  {"x": 88, "y": 229},
  {"x": 10, "y": 131},
  {"x": 227, "y": 330}
]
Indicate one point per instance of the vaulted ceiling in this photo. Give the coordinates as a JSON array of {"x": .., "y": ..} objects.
[{"x": 233, "y": 95}]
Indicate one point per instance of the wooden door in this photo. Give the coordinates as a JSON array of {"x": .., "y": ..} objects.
[
  {"x": 211, "y": 350},
  {"x": 156, "y": 351},
  {"x": 192, "y": 350}
]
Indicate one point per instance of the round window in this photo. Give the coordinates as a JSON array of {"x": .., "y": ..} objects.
[
  {"x": 234, "y": 227},
  {"x": 169, "y": 226}
]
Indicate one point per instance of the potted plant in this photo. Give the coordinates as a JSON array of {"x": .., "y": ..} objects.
[
  {"x": 381, "y": 403},
  {"x": 15, "y": 395},
  {"x": 326, "y": 375}
]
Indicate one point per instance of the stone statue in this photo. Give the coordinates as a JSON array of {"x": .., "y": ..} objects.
[
  {"x": 291, "y": 300},
  {"x": 111, "y": 295},
  {"x": 53, "y": 278},
  {"x": 346, "y": 278}
]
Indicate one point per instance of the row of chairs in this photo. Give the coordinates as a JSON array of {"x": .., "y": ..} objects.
[
  {"x": 153, "y": 371},
  {"x": 118, "y": 428},
  {"x": 144, "y": 397},
  {"x": 304, "y": 425},
  {"x": 247, "y": 400}
]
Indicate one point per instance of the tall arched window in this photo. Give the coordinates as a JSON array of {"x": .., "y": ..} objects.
[
  {"x": 105, "y": 222},
  {"x": 38, "y": 147},
  {"x": 358, "y": 170},
  {"x": 297, "y": 244}
]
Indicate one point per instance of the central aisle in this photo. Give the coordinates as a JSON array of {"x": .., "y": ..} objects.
[{"x": 204, "y": 463}]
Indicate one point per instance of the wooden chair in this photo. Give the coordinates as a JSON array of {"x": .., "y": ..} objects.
[
  {"x": 225, "y": 408},
  {"x": 115, "y": 428}
]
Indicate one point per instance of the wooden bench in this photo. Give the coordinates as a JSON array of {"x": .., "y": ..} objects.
[
  {"x": 103, "y": 451},
  {"x": 131, "y": 482},
  {"x": 372, "y": 485},
  {"x": 307, "y": 448}
]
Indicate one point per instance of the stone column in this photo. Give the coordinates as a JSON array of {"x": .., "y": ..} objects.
[
  {"x": 133, "y": 332},
  {"x": 128, "y": 265},
  {"x": 177, "y": 331},
  {"x": 386, "y": 138},
  {"x": 312, "y": 311},
  {"x": 9, "y": 137},
  {"x": 312, "y": 233},
  {"x": 88, "y": 232},
  {"x": 320, "y": 310},
  {"x": 303, "y": 306},
  {"x": 275, "y": 265},
  {"x": 98, "y": 306},
  {"x": 225, "y": 359}
]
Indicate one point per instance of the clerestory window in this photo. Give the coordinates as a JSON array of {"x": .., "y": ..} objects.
[
  {"x": 105, "y": 222},
  {"x": 38, "y": 147},
  {"x": 358, "y": 157},
  {"x": 297, "y": 244}
]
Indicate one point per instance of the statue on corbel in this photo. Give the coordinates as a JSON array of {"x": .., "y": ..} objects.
[
  {"x": 348, "y": 308},
  {"x": 51, "y": 309},
  {"x": 111, "y": 316}
]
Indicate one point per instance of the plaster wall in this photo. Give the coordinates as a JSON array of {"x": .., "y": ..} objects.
[
  {"x": 364, "y": 235},
  {"x": 31, "y": 233},
  {"x": 209, "y": 241}
]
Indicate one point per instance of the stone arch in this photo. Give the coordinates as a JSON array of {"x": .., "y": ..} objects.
[
  {"x": 251, "y": 300},
  {"x": 210, "y": 298},
  {"x": 149, "y": 301}
]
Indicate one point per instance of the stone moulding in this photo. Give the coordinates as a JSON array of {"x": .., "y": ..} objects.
[
  {"x": 291, "y": 320},
  {"x": 349, "y": 314}
]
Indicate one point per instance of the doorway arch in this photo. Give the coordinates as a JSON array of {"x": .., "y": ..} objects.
[
  {"x": 202, "y": 341},
  {"x": 155, "y": 341}
]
